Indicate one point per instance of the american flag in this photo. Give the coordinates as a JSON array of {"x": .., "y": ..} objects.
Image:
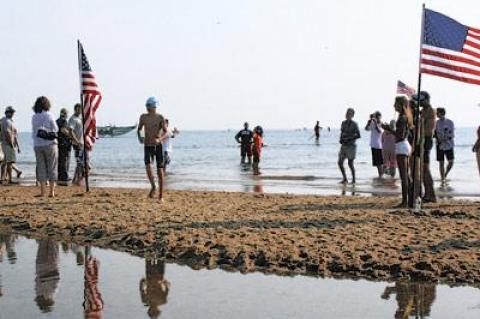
[
  {"x": 450, "y": 49},
  {"x": 91, "y": 98},
  {"x": 402, "y": 88}
]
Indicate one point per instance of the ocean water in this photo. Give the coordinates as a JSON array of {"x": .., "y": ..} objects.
[
  {"x": 292, "y": 162},
  {"x": 47, "y": 279}
]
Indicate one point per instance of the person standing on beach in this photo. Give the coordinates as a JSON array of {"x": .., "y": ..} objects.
[
  {"x": 9, "y": 141},
  {"x": 64, "y": 148},
  {"x": 445, "y": 134},
  {"x": 75, "y": 127},
  {"x": 155, "y": 133},
  {"x": 316, "y": 131},
  {"x": 348, "y": 135},
  {"x": 476, "y": 148},
  {"x": 374, "y": 125},
  {"x": 428, "y": 118},
  {"x": 403, "y": 149},
  {"x": 388, "y": 144},
  {"x": 257, "y": 148},
  {"x": 245, "y": 139},
  {"x": 44, "y": 132}
]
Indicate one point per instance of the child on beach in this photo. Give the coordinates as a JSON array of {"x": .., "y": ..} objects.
[
  {"x": 389, "y": 156},
  {"x": 257, "y": 148}
]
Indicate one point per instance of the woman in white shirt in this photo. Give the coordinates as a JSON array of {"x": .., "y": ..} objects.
[{"x": 44, "y": 132}]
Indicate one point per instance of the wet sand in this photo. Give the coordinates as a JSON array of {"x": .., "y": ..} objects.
[{"x": 355, "y": 237}]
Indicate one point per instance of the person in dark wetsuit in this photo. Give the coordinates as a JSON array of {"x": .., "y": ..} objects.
[
  {"x": 317, "y": 129},
  {"x": 245, "y": 139}
]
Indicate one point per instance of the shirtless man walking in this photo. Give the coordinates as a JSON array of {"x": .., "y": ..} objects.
[{"x": 155, "y": 134}]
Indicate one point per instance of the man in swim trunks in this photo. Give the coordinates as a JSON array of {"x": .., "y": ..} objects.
[
  {"x": 245, "y": 139},
  {"x": 155, "y": 133},
  {"x": 349, "y": 134}
]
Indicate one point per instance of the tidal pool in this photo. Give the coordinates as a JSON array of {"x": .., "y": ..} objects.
[{"x": 47, "y": 279}]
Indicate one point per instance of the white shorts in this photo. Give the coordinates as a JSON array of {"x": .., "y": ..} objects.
[{"x": 403, "y": 148}]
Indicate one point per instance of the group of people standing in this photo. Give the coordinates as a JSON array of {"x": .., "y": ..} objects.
[{"x": 392, "y": 144}]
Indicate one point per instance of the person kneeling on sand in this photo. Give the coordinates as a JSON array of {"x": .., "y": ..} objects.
[
  {"x": 152, "y": 140},
  {"x": 349, "y": 134}
]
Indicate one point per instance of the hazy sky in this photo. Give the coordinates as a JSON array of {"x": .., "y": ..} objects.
[{"x": 215, "y": 64}]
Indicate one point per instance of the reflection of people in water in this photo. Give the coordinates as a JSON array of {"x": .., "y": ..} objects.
[
  {"x": 93, "y": 302},
  {"x": 7, "y": 242},
  {"x": 414, "y": 299},
  {"x": 47, "y": 274},
  {"x": 154, "y": 288}
]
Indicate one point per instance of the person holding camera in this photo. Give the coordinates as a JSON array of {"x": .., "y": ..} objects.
[
  {"x": 348, "y": 136},
  {"x": 374, "y": 125},
  {"x": 44, "y": 131}
]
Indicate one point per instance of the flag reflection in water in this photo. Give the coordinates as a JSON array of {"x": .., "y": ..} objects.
[{"x": 93, "y": 302}]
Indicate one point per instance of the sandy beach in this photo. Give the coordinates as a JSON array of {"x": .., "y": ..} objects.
[{"x": 354, "y": 237}]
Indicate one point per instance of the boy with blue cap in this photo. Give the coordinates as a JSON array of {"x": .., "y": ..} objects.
[{"x": 155, "y": 133}]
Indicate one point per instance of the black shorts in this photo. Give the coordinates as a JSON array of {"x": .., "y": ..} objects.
[
  {"x": 377, "y": 157},
  {"x": 154, "y": 153},
  {"x": 442, "y": 154},
  {"x": 427, "y": 147},
  {"x": 246, "y": 150}
]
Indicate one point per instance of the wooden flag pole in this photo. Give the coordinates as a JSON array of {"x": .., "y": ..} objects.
[
  {"x": 85, "y": 168},
  {"x": 415, "y": 191}
]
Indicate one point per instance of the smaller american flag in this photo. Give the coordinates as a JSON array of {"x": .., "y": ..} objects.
[
  {"x": 91, "y": 98},
  {"x": 404, "y": 89}
]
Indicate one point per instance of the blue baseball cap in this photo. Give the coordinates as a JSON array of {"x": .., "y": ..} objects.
[{"x": 152, "y": 102}]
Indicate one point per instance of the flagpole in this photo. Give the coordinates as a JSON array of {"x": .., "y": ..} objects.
[
  {"x": 415, "y": 191},
  {"x": 85, "y": 168}
]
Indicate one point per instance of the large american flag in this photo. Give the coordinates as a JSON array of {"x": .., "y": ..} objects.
[
  {"x": 91, "y": 98},
  {"x": 402, "y": 88},
  {"x": 450, "y": 49}
]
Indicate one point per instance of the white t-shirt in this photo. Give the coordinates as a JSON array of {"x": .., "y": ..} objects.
[
  {"x": 167, "y": 145},
  {"x": 75, "y": 123},
  {"x": 44, "y": 121},
  {"x": 375, "y": 135}
]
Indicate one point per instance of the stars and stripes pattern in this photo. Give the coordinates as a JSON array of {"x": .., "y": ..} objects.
[
  {"x": 403, "y": 89},
  {"x": 91, "y": 98},
  {"x": 450, "y": 49}
]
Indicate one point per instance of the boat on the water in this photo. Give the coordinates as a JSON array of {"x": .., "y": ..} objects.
[{"x": 113, "y": 131}]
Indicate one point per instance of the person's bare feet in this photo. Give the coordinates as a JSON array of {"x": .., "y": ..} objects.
[
  {"x": 152, "y": 193},
  {"x": 160, "y": 200},
  {"x": 51, "y": 195},
  {"x": 343, "y": 181}
]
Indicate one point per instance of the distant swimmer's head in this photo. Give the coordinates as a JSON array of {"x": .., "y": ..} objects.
[
  {"x": 350, "y": 113},
  {"x": 245, "y": 125},
  {"x": 152, "y": 102}
]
